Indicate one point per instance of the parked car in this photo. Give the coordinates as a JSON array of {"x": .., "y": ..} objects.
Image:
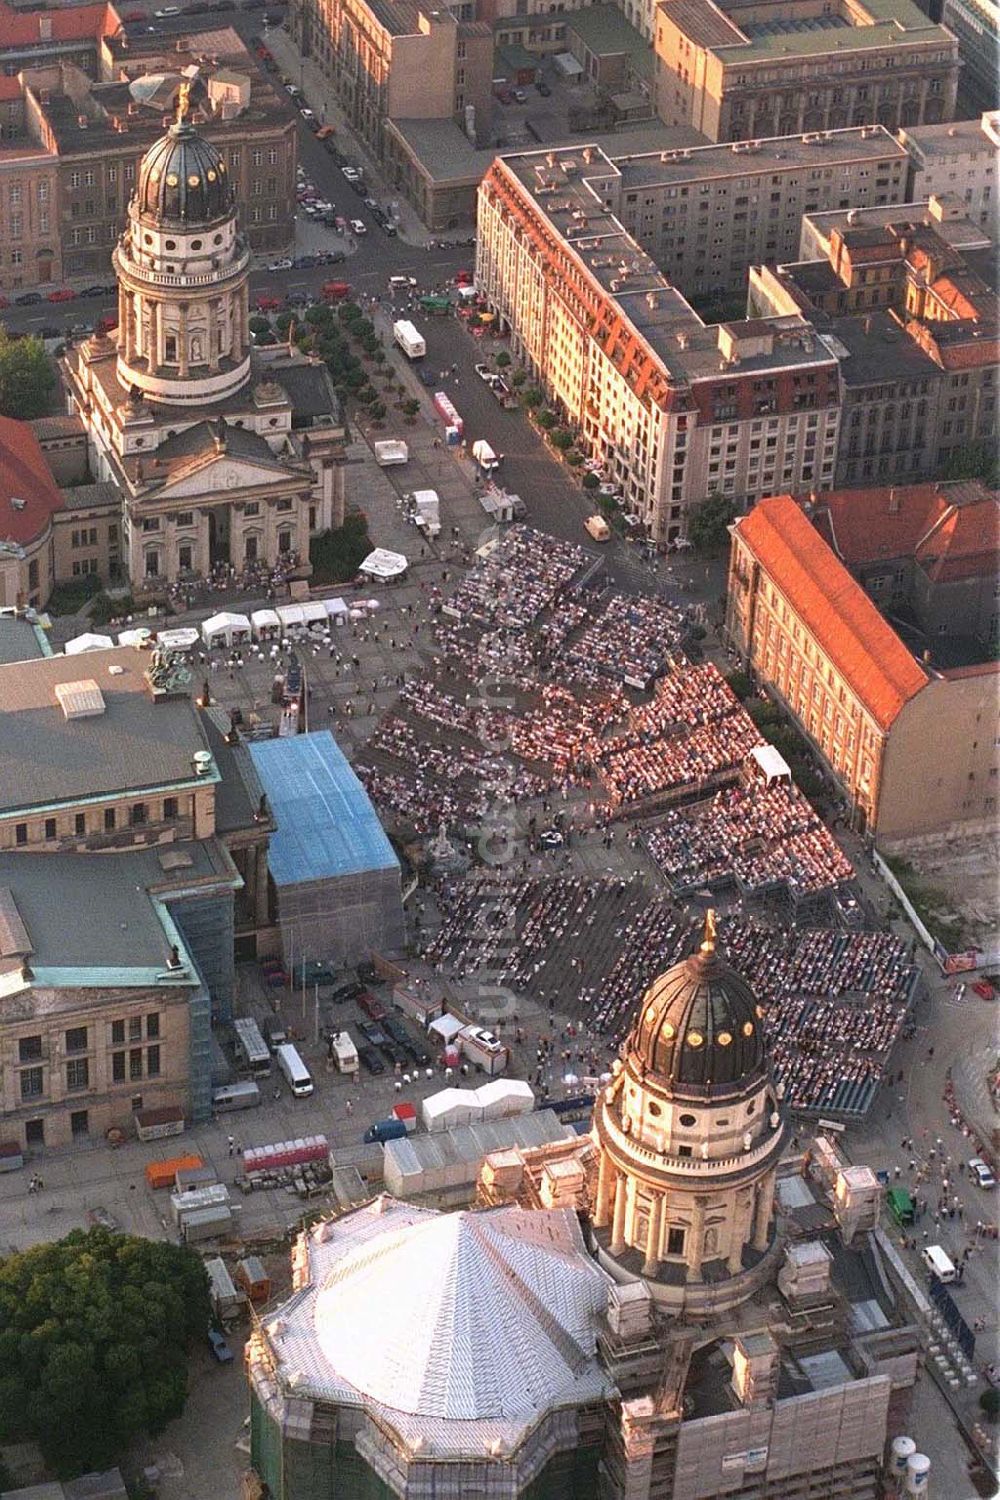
[
  {"x": 982, "y": 1174},
  {"x": 313, "y": 971},
  {"x": 388, "y": 227},
  {"x": 163, "y": 15},
  {"x": 220, "y": 1349},
  {"x": 307, "y": 113},
  {"x": 349, "y": 990},
  {"x": 28, "y": 299},
  {"x": 372, "y": 1033},
  {"x": 370, "y": 1060},
  {"x": 62, "y": 294},
  {"x": 284, "y": 264},
  {"x": 428, "y": 377},
  {"x": 306, "y": 262},
  {"x": 543, "y": 88},
  {"x": 292, "y": 90},
  {"x": 92, "y": 291},
  {"x": 520, "y": 96},
  {"x": 371, "y": 1005},
  {"x": 395, "y": 1053},
  {"x": 358, "y": 227},
  {"x": 351, "y": 173}
]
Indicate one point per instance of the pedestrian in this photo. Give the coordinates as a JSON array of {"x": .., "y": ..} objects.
[
  {"x": 231, "y": 1143},
  {"x": 350, "y": 1107},
  {"x": 239, "y": 1148},
  {"x": 39, "y": 1184}
]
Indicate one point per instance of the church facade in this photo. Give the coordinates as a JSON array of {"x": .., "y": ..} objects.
[{"x": 226, "y": 456}]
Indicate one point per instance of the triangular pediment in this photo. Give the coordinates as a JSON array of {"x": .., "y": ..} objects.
[{"x": 219, "y": 474}]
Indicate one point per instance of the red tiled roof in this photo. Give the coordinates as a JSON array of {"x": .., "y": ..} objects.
[
  {"x": 963, "y": 542},
  {"x": 24, "y": 476},
  {"x": 76, "y": 23},
  {"x": 864, "y": 525},
  {"x": 836, "y": 611}
]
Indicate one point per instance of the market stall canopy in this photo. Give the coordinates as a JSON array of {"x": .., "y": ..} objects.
[
  {"x": 89, "y": 641},
  {"x": 314, "y": 612},
  {"x": 446, "y": 1027},
  {"x": 335, "y": 608},
  {"x": 384, "y": 564},
  {"x": 264, "y": 622},
  {"x": 772, "y": 763},
  {"x": 291, "y": 616},
  {"x": 181, "y": 639},
  {"x": 225, "y": 627}
]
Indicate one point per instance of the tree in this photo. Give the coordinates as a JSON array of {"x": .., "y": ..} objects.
[
  {"x": 975, "y": 461},
  {"x": 591, "y": 481},
  {"x": 378, "y": 410},
  {"x": 532, "y": 398},
  {"x": 740, "y": 684},
  {"x": 518, "y": 378},
  {"x": 94, "y": 1331},
  {"x": 562, "y": 439},
  {"x": 411, "y": 408},
  {"x": 503, "y": 360},
  {"x": 547, "y": 420},
  {"x": 27, "y": 378},
  {"x": 989, "y": 1403},
  {"x": 259, "y": 325},
  {"x": 707, "y": 527}
]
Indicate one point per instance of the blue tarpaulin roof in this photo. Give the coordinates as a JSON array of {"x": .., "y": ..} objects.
[{"x": 326, "y": 824}]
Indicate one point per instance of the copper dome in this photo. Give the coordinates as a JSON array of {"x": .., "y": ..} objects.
[
  {"x": 183, "y": 180},
  {"x": 700, "y": 1024}
]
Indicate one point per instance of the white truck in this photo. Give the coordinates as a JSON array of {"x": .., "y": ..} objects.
[
  {"x": 390, "y": 451},
  {"x": 485, "y": 457},
  {"x": 409, "y": 339},
  {"x": 344, "y": 1052},
  {"x": 427, "y": 512}
]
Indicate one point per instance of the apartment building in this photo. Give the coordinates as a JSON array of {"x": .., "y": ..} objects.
[
  {"x": 873, "y": 711},
  {"x": 72, "y": 34},
  {"x": 132, "y": 856},
  {"x": 674, "y": 408},
  {"x": 961, "y": 159},
  {"x": 72, "y": 169},
  {"x": 762, "y": 68},
  {"x": 976, "y": 25},
  {"x": 706, "y": 213},
  {"x": 909, "y": 302},
  {"x": 398, "y": 60}
]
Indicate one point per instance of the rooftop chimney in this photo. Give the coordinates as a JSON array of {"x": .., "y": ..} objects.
[{"x": 755, "y": 1368}]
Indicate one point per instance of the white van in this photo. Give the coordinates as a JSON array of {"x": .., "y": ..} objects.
[
  {"x": 297, "y": 1075},
  {"x": 937, "y": 1262},
  {"x": 235, "y": 1096},
  {"x": 598, "y": 528}
]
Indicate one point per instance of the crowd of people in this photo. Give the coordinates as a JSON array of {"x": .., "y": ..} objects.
[
  {"x": 759, "y": 836},
  {"x": 629, "y": 640},
  {"x": 520, "y": 578}
]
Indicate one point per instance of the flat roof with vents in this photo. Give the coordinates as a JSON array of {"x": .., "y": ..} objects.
[{"x": 80, "y": 700}]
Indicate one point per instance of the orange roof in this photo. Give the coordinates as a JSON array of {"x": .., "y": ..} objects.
[
  {"x": 26, "y": 478},
  {"x": 964, "y": 541},
  {"x": 834, "y": 609},
  {"x": 866, "y": 525},
  {"x": 76, "y": 23}
]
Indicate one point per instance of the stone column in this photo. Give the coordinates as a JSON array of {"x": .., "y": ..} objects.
[
  {"x": 651, "y": 1265},
  {"x": 602, "y": 1203},
  {"x": 696, "y": 1240},
  {"x": 182, "y": 338},
  {"x": 737, "y": 1238},
  {"x": 762, "y": 1214},
  {"x": 261, "y": 912},
  {"x": 618, "y": 1225}
]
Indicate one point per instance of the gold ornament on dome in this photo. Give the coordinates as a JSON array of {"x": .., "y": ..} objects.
[
  {"x": 748, "y": 1028},
  {"x": 183, "y": 102},
  {"x": 694, "y": 1039},
  {"x": 171, "y": 179},
  {"x": 668, "y": 1031},
  {"x": 154, "y": 174},
  {"x": 211, "y": 175},
  {"x": 724, "y": 1038},
  {"x": 194, "y": 180}
]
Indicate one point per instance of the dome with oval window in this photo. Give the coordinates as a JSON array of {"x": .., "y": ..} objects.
[
  {"x": 183, "y": 180},
  {"x": 700, "y": 1025}
]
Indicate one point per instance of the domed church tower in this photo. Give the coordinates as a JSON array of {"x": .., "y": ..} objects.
[
  {"x": 183, "y": 321},
  {"x": 690, "y": 1131}
]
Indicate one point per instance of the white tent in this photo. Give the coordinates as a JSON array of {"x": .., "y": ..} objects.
[
  {"x": 137, "y": 637},
  {"x": 336, "y": 610},
  {"x": 89, "y": 641},
  {"x": 314, "y": 612},
  {"x": 291, "y": 617},
  {"x": 181, "y": 639},
  {"x": 446, "y": 1027},
  {"x": 771, "y": 763},
  {"x": 384, "y": 564},
  {"x": 266, "y": 624},
  {"x": 225, "y": 629}
]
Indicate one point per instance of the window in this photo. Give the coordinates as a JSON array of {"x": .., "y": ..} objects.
[
  {"x": 284, "y": 541},
  {"x": 80, "y": 824},
  {"x": 20, "y": 833},
  {"x": 118, "y": 1067},
  {"x": 675, "y": 1241},
  {"x": 79, "y": 1124},
  {"x": 138, "y": 814},
  {"x": 76, "y": 1039},
  {"x": 135, "y": 1064},
  {"x": 109, "y": 820},
  {"x": 135, "y": 1028},
  {"x": 32, "y": 1083},
  {"x": 184, "y": 556},
  {"x": 152, "y": 1062},
  {"x": 34, "y": 1132},
  {"x": 170, "y": 808},
  {"x": 252, "y": 508},
  {"x": 77, "y": 1075},
  {"x": 29, "y": 1049},
  {"x": 50, "y": 828},
  {"x": 152, "y": 1025},
  {"x": 184, "y": 518}
]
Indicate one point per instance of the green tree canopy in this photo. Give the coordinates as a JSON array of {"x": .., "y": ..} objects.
[
  {"x": 27, "y": 378},
  {"x": 532, "y": 398},
  {"x": 93, "y": 1337},
  {"x": 502, "y": 360},
  {"x": 707, "y": 527}
]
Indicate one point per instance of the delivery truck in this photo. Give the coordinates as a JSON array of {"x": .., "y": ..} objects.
[
  {"x": 295, "y": 1072},
  {"x": 252, "y": 1051},
  {"x": 409, "y": 339},
  {"x": 427, "y": 511},
  {"x": 390, "y": 451},
  {"x": 385, "y": 1130}
]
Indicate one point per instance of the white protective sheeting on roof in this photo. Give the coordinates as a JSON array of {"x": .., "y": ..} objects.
[
  {"x": 384, "y": 564},
  {"x": 568, "y": 65},
  {"x": 458, "y": 1316},
  {"x": 89, "y": 641},
  {"x": 265, "y": 623},
  {"x": 772, "y": 763},
  {"x": 225, "y": 629},
  {"x": 181, "y": 639}
]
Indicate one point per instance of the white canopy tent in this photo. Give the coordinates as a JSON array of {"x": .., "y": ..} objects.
[
  {"x": 446, "y": 1027},
  {"x": 292, "y": 619},
  {"x": 266, "y": 624},
  {"x": 771, "y": 763},
  {"x": 336, "y": 610},
  {"x": 89, "y": 641},
  {"x": 314, "y": 613},
  {"x": 226, "y": 629},
  {"x": 137, "y": 637},
  {"x": 384, "y": 564},
  {"x": 181, "y": 639}
]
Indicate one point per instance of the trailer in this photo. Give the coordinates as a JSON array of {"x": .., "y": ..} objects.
[
  {"x": 409, "y": 339},
  {"x": 156, "y": 1124},
  {"x": 161, "y": 1174},
  {"x": 427, "y": 511},
  {"x": 447, "y": 411},
  {"x": 252, "y": 1051},
  {"x": 227, "y": 1300},
  {"x": 343, "y": 1049},
  {"x": 390, "y": 451},
  {"x": 497, "y": 505},
  {"x": 483, "y": 1050}
]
